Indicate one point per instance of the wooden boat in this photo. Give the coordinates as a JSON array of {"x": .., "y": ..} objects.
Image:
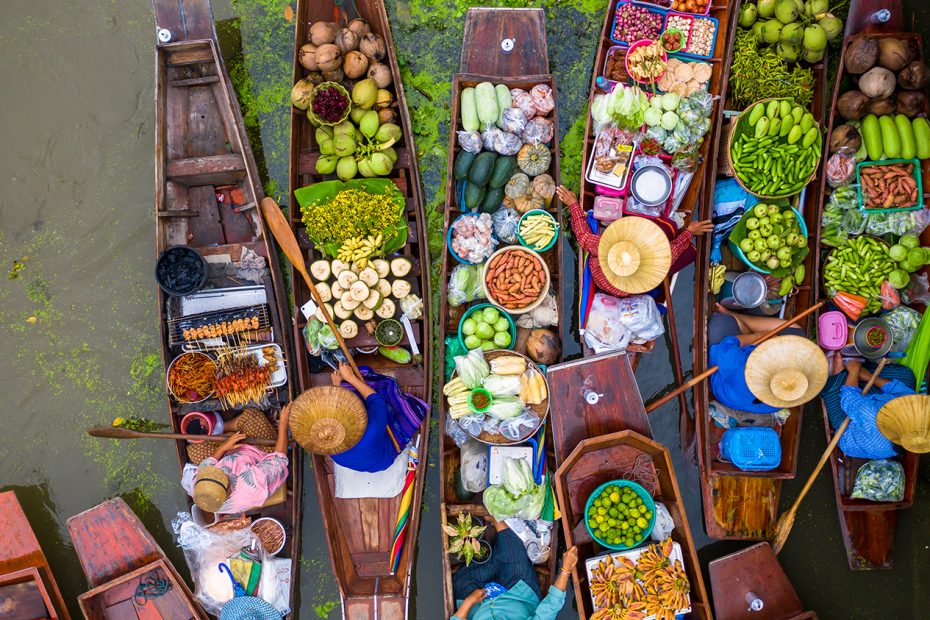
[
  {"x": 202, "y": 154},
  {"x": 118, "y": 555},
  {"x": 602, "y": 441},
  {"x": 725, "y": 12},
  {"x": 526, "y": 65},
  {"x": 740, "y": 504},
  {"x": 868, "y": 528},
  {"x": 754, "y": 571},
  {"x": 27, "y": 586},
  {"x": 360, "y": 531}
]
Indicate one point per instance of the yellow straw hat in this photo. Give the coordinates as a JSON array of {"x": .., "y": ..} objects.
[
  {"x": 211, "y": 488},
  {"x": 634, "y": 254},
  {"x": 786, "y": 371},
  {"x": 328, "y": 419},
  {"x": 906, "y": 422}
]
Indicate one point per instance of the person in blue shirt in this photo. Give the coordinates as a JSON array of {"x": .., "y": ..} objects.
[
  {"x": 729, "y": 335},
  {"x": 375, "y": 451},
  {"x": 509, "y": 567}
]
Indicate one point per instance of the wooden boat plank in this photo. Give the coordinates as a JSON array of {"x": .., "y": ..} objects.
[
  {"x": 24, "y": 599},
  {"x": 185, "y": 19},
  {"x": 22, "y": 560},
  {"x": 116, "y": 600},
  {"x": 485, "y": 28},
  {"x": 755, "y": 569}
]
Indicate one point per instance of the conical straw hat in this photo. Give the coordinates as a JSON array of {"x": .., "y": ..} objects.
[
  {"x": 906, "y": 422},
  {"x": 634, "y": 254},
  {"x": 328, "y": 419},
  {"x": 786, "y": 371}
]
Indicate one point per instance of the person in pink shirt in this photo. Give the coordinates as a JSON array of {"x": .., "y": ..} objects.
[{"x": 238, "y": 478}]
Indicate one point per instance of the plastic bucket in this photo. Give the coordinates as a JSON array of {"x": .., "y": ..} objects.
[
  {"x": 211, "y": 420},
  {"x": 648, "y": 502}
]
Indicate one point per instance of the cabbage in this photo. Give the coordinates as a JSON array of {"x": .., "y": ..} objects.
[
  {"x": 899, "y": 278},
  {"x": 472, "y": 368},
  {"x": 656, "y": 102},
  {"x": 897, "y": 252},
  {"x": 670, "y": 101},
  {"x": 600, "y": 111},
  {"x": 517, "y": 477},
  {"x": 669, "y": 120},
  {"x": 502, "y": 385},
  {"x": 909, "y": 241},
  {"x": 504, "y": 407},
  {"x": 627, "y": 105},
  {"x": 653, "y": 116},
  {"x": 656, "y": 133}
]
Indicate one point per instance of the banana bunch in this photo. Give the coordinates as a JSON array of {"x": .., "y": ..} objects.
[
  {"x": 533, "y": 390},
  {"x": 633, "y": 611},
  {"x": 654, "y": 558},
  {"x": 669, "y": 592},
  {"x": 457, "y": 394},
  {"x": 359, "y": 249},
  {"x": 613, "y": 584},
  {"x": 717, "y": 272},
  {"x": 508, "y": 365}
]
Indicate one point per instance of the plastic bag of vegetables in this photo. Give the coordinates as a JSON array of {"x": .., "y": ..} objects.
[
  {"x": 472, "y": 368},
  {"x": 880, "y": 481},
  {"x": 520, "y": 427},
  {"x": 656, "y": 133},
  {"x": 505, "y": 406},
  {"x": 702, "y": 101},
  {"x": 469, "y": 141},
  {"x": 502, "y": 504},
  {"x": 903, "y": 322},
  {"x": 465, "y": 284},
  {"x": 513, "y": 120},
  {"x": 502, "y": 385},
  {"x": 505, "y": 222}
]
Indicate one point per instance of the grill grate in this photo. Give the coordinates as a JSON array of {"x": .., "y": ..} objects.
[{"x": 223, "y": 327}]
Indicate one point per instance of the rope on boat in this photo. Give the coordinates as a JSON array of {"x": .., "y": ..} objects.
[{"x": 150, "y": 588}]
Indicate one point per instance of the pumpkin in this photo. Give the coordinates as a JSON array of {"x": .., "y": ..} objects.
[
  {"x": 517, "y": 186},
  {"x": 509, "y": 203},
  {"x": 544, "y": 186},
  {"x": 528, "y": 202},
  {"x": 534, "y": 159}
]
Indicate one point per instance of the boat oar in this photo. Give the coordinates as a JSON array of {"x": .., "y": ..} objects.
[
  {"x": 685, "y": 421},
  {"x": 118, "y": 432},
  {"x": 694, "y": 381},
  {"x": 786, "y": 521},
  {"x": 283, "y": 234}
]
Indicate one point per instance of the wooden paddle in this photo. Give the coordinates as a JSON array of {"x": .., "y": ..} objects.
[
  {"x": 786, "y": 521},
  {"x": 695, "y": 380},
  {"x": 117, "y": 432},
  {"x": 283, "y": 234},
  {"x": 685, "y": 421}
]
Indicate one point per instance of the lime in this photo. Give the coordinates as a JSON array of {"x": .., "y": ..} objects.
[
  {"x": 648, "y": 514},
  {"x": 634, "y": 512},
  {"x": 611, "y": 522},
  {"x": 603, "y": 527},
  {"x": 628, "y": 542},
  {"x": 592, "y": 511},
  {"x": 597, "y": 502},
  {"x": 593, "y": 524},
  {"x": 602, "y": 511},
  {"x": 599, "y": 518},
  {"x": 642, "y": 523},
  {"x": 624, "y": 525},
  {"x": 615, "y": 497},
  {"x": 613, "y": 512}
]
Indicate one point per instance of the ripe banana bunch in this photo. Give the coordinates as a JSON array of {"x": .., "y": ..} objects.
[
  {"x": 360, "y": 249},
  {"x": 533, "y": 389},
  {"x": 457, "y": 394},
  {"x": 717, "y": 272}
]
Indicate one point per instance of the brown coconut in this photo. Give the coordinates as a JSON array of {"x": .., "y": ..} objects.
[
  {"x": 894, "y": 54},
  {"x": 328, "y": 57},
  {"x": 861, "y": 55},
  {"x": 915, "y": 76},
  {"x": 851, "y": 105},
  {"x": 880, "y": 106},
  {"x": 877, "y": 82},
  {"x": 845, "y": 136},
  {"x": 306, "y": 56},
  {"x": 910, "y": 102},
  {"x": 381, "y": 74},
  {"x": 346, "y": 40},
  {"x": 359, "y": 26},
  {"x": 355, "y": 64},
  {"x": 372, "y": 45},
  {"x": 543, "y": 346},
  {"x": 321, "y": 33}
]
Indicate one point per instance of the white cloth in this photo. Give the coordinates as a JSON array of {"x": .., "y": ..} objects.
[{"x": 351, "y": 484}]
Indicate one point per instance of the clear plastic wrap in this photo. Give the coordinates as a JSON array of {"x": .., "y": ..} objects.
[
  {"x": 879, "y": 481},
  {"x": 472, "y": 424},
  {"x": 513, "y": 120},
  {"x": 640, "y": 316},
  {"x": 521, "y": 99},
  {"x": 491, "y": 426},
  {"x": 917, "y": 290},
  {"x": 465, "y": 284},
  {"x": 474, "y": 466},
  {"x": 536, "y": 536},
  {"x": 503, "y": 505},
  {"x": 469, "y": 141},
  {"x": 456, "y": 432},
  {"x": 543, "y": 100},
  {"x": 489, "y": 137},
  {"x": 505, "y": 224},
  {"x": 506, "y": 143},
  {"x": 841, "y": 167},
  {"x": 903, "y": 322},
  {"x": 604, "y": 330},
  {"x": 473, "y": 238},
  {"x": 538, "y": 130},
  {"x": 904, "y": 223},
  {"x": 657, "y": 133},
  {"x": 664, "y": 523},
  {"x": 701, "y": 101},
  {"x": 546, "y": 314},
  {"x": 519, "y": 427}
]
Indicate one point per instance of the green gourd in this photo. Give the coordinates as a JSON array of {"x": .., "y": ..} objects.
[
  {"x": 891, "y": 142},
  {"x": 486, "y": 102},
  {"x": 872, "y": 136},
  {"x": 504, "y": 168},
  {"x": 482, "y": 168},
  {"x": 469, "y": 110},
  {"x": 463, "y": 162},
  {"x": 906, "y": 133}
]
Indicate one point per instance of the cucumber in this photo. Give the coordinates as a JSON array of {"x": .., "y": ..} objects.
[
  {"x": 492, "y": 200},
  {"x": 463, "y": 162},
  {"x": 504, "y": 168},
  {"x": 906, "y": 134},
  {"x": 481, "y": 169},
  {"x": 921, "y": 127},
  {"x": 755, "y": 114},
  {"x": 486, "y": 103},
  {"x": 396, "y": 354},
  {"x": 474, "y": 196},
  {"x": 872, "y": 136},
  {"x": 771, "y": 110},
  {"x": 469, "y": 110},
  {"x": 891, "y": 142},
  {"x": 504, "y": 101}
]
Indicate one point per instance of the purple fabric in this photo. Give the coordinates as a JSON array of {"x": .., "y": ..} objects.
[{"x": 405, "y": 411}]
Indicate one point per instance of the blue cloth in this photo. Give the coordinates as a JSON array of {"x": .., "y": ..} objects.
[
  {"x": 728, "y": 384},
  {"x": 375, "y": 451},
  {"x": 831, "y": 391},
  {"x": 509, "y": 567}
]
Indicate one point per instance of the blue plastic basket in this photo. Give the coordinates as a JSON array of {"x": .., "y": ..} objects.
[{"x": 751, "y": 448}]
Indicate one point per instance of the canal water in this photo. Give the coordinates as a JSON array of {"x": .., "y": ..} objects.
[{"x": 78, "y": 325}]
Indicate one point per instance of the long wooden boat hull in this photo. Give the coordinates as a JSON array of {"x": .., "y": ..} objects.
[
  {"x": 117, "y": 553},
  {"x": 360, "y": 531},
  {"x": 867, "y": 528},
  {"x": 597, "y": 442},
  {"x": 754, "y": 571},
  {"x": 738, "y": 504},
  {"x": 201, "y": 152},
  {"x": 27, "y": 586}
]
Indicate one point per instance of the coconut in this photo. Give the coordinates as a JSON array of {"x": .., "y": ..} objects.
[
  {"x": 813, "y": 8},
  {"x": 365, "y": 94},
  {"x": 851, "y": 105},
  {"x": 322, "y": 33},
  {"x": 771, "y": 31},
  {"x": 910, "y": 102},
  {"x": 359, "y": 26},
  {"x": 792, "y": 33},
  {"x": 355, "y": 64},
  {"x": 381, "y": 74},
  {"x": 372, "y": 45},
  {"x": 880, "y": 106},
  {"x": 387, "y": 115},
  {"x": 346, "y": 40},
  {"x": 861, "y": 55},
  {"x": 786, "y": 11},
  {"x": 877, "y": 82},
  {"x": 328, "y": 58},
  {"x": 832, "y": 25},
  {"x": 815, "y": 40},
  {"x": 543, "y": 345},
  {"x": 336, "y": 75},
  {"x": 766, "y": 8},
  {"x": 845, "y": 136},
  {"x": 301, "y": 93},
  {"x": 915, "y": 76},
  {"x": 788, "y": 52},
  {"x": 894, "y": 54},
  {"x": 306, "y": 56}
]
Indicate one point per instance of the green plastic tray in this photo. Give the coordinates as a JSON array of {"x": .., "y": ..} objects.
[{"x": 882, "y": 162}]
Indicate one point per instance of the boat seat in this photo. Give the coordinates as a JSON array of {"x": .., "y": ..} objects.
[{"x": 277, "y": 497}]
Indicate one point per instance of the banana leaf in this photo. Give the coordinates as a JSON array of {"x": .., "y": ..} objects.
[
  {"x": 917, "y": 354},
  {"x": 394, "y": 238}
]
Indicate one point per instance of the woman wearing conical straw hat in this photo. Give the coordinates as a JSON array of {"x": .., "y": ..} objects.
[
  {"x": 843, "y": 397},
  {"x": 906, "y": 422}
]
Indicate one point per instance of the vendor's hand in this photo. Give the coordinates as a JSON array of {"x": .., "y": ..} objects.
[
  {"x": 285, "y": 414},
  {"x": 570, "y": 559},
  {"x": 700, "y": 227},
  {"x": 566, "y": 195},
  {"x": 476, "y": 597},
  {"x": 853, "y": 364},
  {"x": 234, "y": 439}
]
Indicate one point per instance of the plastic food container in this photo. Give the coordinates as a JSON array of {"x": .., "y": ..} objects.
[
  {"x": 648, "y": 502},
  {"x": 474, "y": 395},
  {"x": 555, "y": 225},
  {"x": 607, "y": 209},
  {"x": 649, "y": 7},
  {"x": 705, "y": 11},
  {"x": 211, "y": 420},
  {"x": 751, "y": 448},
  {"x": 271, "y": 524},
  {"x": 180, "y": 271},
  {"x": 636, "y": 46},
  {"x": 885, "y": 162},
  {"x": 651, "y": 185},
  {"x": 832, "y": 330},
  {"x": 695, "y": 19}
]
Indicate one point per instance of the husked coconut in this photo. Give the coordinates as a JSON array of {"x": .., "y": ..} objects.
[{"x": 321, "y": 33}]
